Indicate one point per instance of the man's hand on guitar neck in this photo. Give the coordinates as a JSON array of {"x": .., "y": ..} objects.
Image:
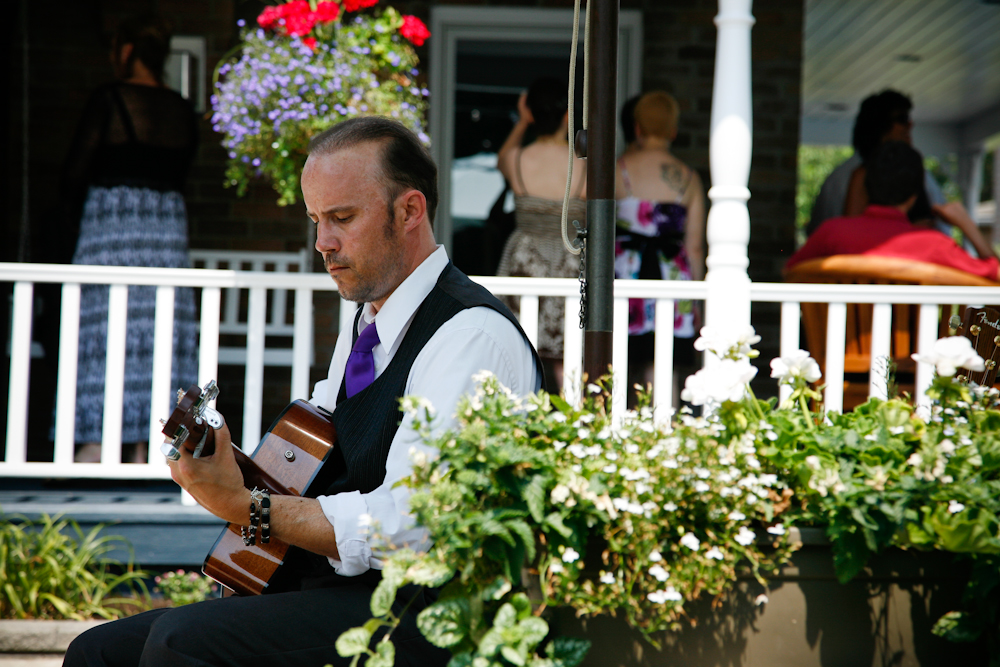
[{"x": 216, "y": 482}]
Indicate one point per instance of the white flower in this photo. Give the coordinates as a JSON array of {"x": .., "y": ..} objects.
[
  {"x": 570, "y": 555},
  {"x": 417, "y": 457},
  {"x": 655, "y": 556},
  {"x": 813, "y": 462},
  {"x": 690, "y": 541},
  {"x": 736, "y": 515},
  {"x": 559, "y": 444},
  {"x": 555, "y": 567},
  {"x": 560, "y": 493},
  {"x": 896, "y": 430},
  {"x": 714, "y": 553},
  {"x": 761, "y": 599},
  {"x": 593, "y": 388},
  {"x": 776, "y": 529},
  {"x": 659, "y": 597},
  {"x": 482, "y": 376},
  {"x": 414, "y": 404},
  {"x": 610, "y": 468},
  {"x": 951, "y": 353},
  {"x": 658, "y": 572},
  {"x": 798, "y": 364},
  {"x": 701, "y": 487},
  {"x": 955, "y": 507},
  {"x": 745, "y": 536},
  {"x": 948, "y": 447},
  {"x": 607, "y": 578},
  {"x": 723, "y": 341},
  {"x": 557, "y": 417},
  {"x": 724, "y": 381},
  {"x": 670, "y": 506}
]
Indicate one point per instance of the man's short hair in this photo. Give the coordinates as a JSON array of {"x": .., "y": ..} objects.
[
  {"x": 876, "y": 117},
  {"x": 656, "y": 114},
  {"x": 894, "y": 173},
  {"x": 547, "y": 100},
  {"x": 405, "y": 161}
]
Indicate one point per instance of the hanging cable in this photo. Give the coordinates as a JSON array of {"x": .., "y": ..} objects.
[{"x": 570, "y": 245}]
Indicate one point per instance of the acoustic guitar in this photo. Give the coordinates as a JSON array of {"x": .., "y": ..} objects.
[
  {"x": 288, "y": 461},
  {"x": 982, "y": 327}
]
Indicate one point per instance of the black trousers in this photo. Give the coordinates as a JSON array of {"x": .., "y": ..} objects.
[{"x": 295, "y": 628}]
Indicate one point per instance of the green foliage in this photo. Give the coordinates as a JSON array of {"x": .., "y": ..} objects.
[
  {"x": 182, "y": 587},
  {"x": 533, "y": 503},
  {"x": 45, "y": 573},
  {"x": 281, "y": 90},
  {"x": 815, "y": 164}
]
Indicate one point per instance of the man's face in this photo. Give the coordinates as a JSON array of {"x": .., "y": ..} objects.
[{"x": 357, "y": 231}]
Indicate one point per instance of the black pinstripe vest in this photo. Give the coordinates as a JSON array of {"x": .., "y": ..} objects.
[{"x": 367, "y": 422}]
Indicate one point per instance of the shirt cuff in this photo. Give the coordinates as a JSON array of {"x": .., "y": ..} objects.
[{"x": 344, "y": 511}]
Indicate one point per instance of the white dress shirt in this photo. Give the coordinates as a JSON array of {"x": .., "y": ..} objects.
[{"x": 475, "y": 339}]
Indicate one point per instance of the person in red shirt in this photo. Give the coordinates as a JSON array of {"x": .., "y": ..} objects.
[{"x": 893, "y": 183}]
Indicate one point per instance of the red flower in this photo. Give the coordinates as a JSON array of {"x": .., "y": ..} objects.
[
  {"x": 355, "y": 5},
  {"x": 269, "y": 17},
  {"x": 414, "y": 30},
  {"x": 299, "y": 17},
  {"x": 327, "y": 11},
  {"x": 310, "y": 42}
]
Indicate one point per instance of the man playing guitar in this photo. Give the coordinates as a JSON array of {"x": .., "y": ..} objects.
[{"x": 371, "y": 189}]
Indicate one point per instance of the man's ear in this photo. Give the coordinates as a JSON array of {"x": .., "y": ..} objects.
[{"x": 413, "y": 207}]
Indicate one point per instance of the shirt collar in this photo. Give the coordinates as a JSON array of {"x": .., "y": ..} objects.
[{"x": 398, "y": 309}]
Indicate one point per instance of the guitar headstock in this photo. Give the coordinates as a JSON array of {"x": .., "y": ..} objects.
[
  {"x": 982, "y": 327},
  {"x": 193, "y": 421}
]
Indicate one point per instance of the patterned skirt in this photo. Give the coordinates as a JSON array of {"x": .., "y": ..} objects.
[{"x": 126, "y": 226}]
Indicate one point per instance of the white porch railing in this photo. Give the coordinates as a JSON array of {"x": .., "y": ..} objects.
[{"x": 211, "y": 282}]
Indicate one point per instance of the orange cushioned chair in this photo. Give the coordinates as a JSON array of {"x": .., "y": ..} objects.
[{"x": 872, "y": 270}]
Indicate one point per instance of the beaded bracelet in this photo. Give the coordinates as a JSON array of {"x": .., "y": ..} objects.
[
  {"x": 265, "y": 516},
  {"x": 256, "y": 508}
]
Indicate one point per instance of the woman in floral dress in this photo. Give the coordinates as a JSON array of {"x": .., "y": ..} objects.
[{"x": 660, "y": 230}]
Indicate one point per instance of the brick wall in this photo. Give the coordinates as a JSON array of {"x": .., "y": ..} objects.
[{"x": 68, "y": 58}]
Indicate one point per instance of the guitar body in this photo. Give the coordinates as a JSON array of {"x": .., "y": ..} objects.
[{"x": 290, "y": 460}]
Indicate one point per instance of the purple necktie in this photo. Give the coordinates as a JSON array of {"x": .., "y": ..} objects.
[{"x": 361, "y": 364}]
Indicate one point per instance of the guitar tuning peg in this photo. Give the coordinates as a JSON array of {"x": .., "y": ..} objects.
[
  {"x": 996, "y": 340},
  {"x": 955, "y": 322},
  {"x": 163, "y": 422},
  {"x": 975, "y": 329},
  {"x": 180, "y": 395}
]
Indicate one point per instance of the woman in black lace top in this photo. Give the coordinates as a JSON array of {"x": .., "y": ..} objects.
[{"x": 123, "y": 182}]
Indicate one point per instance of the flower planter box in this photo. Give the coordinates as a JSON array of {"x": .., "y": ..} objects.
[
  {"x": 884, "y": 616},
  {"x": 38, "y": 643}
]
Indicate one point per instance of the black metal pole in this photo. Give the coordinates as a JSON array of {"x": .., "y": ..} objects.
[{"x": 602, "y": 69}]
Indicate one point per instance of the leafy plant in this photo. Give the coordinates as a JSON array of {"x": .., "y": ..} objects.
[
  {"x": 304, "y": 68},
  {"x": 46, "y": 573},
  {"x": 182, "y": 587},
  {"x": 533, "y": 503}
]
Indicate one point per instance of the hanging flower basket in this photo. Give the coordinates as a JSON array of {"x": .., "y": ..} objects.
[{"x": 305, "y": 67}]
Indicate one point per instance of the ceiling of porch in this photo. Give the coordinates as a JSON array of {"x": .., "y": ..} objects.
[{"x": 945, "y": 54}]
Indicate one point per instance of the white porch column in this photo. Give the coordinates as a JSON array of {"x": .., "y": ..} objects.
[{"x": 730, "y": 144}]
